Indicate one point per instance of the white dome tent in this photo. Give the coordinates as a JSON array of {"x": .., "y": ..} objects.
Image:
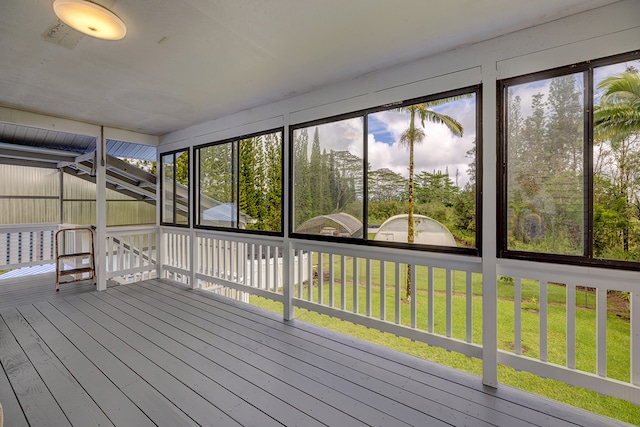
[{"x": 428, "y": 231}]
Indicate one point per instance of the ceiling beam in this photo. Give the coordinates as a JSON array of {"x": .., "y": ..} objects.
[
  {"x": 42, "y": 121},
  {"x": 30, "y": 155}
]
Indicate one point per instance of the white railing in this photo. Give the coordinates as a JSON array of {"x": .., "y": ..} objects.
[
  {"x": 565, "y": 293},
  {"x": 250, "y": 264},
  {"x": 131, "y": 253},
  {"x": 367, "y": 286},
  {"x": 176, "y": 254},
  {"x": 27, "y": 245}
]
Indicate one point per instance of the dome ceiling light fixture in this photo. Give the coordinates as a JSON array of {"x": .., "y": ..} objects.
[{"x": 90, "y": 18}]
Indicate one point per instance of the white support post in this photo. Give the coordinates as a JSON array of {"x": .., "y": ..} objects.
[
  {"x": 288, "y": 251},
  {"x": 159, "y": 235},
  {"x": 489, "y": 243},
  {"x": 101, "y": 212}
]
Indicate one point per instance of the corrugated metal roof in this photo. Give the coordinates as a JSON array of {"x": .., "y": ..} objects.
[
  {"x": 45, "y": 138},
  {"x": 130, "y": 150}
]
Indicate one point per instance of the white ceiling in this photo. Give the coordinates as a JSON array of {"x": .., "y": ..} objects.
[{"x": 188, "y": 61}]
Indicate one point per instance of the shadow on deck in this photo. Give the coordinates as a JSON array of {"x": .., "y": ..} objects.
[{"x": 156, "y": 353}]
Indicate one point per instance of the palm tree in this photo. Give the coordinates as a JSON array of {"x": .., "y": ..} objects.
[
  {"x": 414, "y": 135},
  {"x": 618, "y": 115},
  {"x": 617, "y": 120}
]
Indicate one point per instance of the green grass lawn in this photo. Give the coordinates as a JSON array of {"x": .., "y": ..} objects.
[{"x": 618, "y": 331}]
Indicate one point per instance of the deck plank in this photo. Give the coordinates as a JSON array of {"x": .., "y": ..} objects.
[
  {"x": 402, "y": 369},
  {"x": 115, "y": 404},
  {"x": 255, "y": 356},
  {"x": 446, "y": 407},
  {"x": 153, "y": 404},
  {"x": 77, "y": 405},
  {"x": 105, "y": 329},
  {"x": 159, "y": 353},
  {"x": 230, "y": 369},
  {"x": 367, "y": 405},
  {"x": 11, "y": 410},
  {"x": 37, "y": 402}
]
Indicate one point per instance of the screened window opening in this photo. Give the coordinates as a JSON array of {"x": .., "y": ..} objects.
[
  {"x": 404, "y": 175},
  {"x": 571, "y": 148},
  {"x": 175, "y": 188},
  {"x": 240, "y": 183}
]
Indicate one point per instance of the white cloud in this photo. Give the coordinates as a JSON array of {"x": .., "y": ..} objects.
[{"x": 439, "y": 150}]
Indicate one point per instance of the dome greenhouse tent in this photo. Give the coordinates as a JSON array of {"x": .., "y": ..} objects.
[
  {"x": 336, "y": 224},
  {"x": 428, "y": 231}
]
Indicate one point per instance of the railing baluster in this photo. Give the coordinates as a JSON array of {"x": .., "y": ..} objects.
[
  {"x": 240, "y": 265},
  {"x": 517, "y": 315},
  {"x": 431, "y": 303},
  {"x": 254, "y": 262},
  {"x": 383, "y": 290},
  {"x": 300, "y": 272},
  {"x": 398, "y": 298},
  {"x": 276, "y": 268},
  {"x": 355, "y": 285},
  {"x": 635, "y": 337},
  {"x": 343, "y": 282},
  {"x": 543, "y": 320},
  {"x": 414, "y": 297},
  {"x": 267, "y": 271},
  {"x": 331, "y": 281},
  {"x": 260, "y": 267},
  {"x": 571, "y": 325},
  {"x": 601, "y": 332},
  {"x": 320, "y": 277},
  {"x": 205, "y": 265},
  {"x": 119, "y": 262},
  {"x": 310, "y": 287},
  {"x": 449, "y": 303},
  {"x": 216, "y": 257},
  {"x": 237, "y": 268},
  {"x": 368, "y": 290},
  {"x": 469, "y": 301},
  {"x": 225, "y": 260}
]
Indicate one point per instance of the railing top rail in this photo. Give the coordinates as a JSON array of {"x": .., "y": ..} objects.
[
  {"x": 16, "y": 228},
  {"x": 132, "y": 229},
  {"x": 587, "y": 276},
  {"x": 175, "y": 230},
  {"x": 434, "y": 259},
  {"x": 244, "y": 238}
]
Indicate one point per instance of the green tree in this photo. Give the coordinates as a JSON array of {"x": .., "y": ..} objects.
[
  {"x": 435, "y": 187},
  {"x": 251, "y": 179},
  {"x": 303, "y": 204},
  {"x": 618, "y": 115},
  {"x": 273, "y": 180},
  {"x": 617, "y": 130},
  {"x": 315, "y": 172},
  {"x": 414, "y": 135},
  {"x": 386, "y": 185},
  {"x": 346, "y": 179}
]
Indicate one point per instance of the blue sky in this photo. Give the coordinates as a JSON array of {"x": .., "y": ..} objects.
[{"x": 380, "y": 131}]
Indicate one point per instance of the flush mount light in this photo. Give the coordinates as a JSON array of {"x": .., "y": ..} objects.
[{"x": 90, "y": 18}]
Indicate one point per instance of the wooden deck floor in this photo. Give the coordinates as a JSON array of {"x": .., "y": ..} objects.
[{"x": 155, "y": 353}]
